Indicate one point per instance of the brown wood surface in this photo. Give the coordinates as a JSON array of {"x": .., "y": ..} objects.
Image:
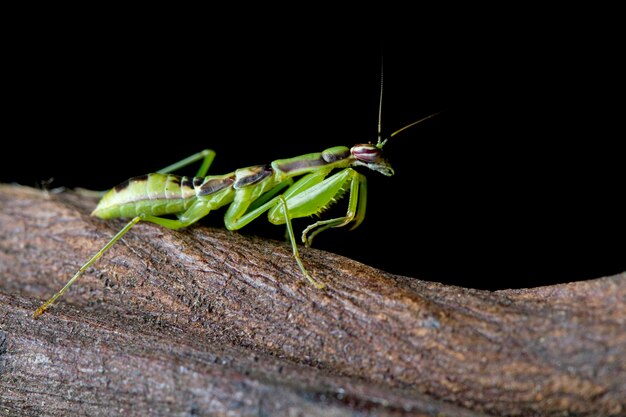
[{"x": 205, "y": 321}]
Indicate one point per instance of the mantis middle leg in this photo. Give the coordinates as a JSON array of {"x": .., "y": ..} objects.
[
  {"x": 307, "y": 196},
  {"x": 238, "y": 216}
]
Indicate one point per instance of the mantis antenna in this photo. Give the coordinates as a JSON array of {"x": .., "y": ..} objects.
[
  {"x": 381, "y": 142},
  {"x": 380, "y": 104}
]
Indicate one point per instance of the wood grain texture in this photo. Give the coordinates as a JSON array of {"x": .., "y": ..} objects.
[{"x": 205, "y": 321}]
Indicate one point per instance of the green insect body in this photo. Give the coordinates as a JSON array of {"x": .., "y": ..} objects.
[
  {"x": 249, "y": 193},
  {"x": 159, "y": 194}
]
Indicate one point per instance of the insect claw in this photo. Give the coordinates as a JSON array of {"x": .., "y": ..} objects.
[{"x": 318, "y": 285}]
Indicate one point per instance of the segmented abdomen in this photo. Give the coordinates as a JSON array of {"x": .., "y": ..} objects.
[{"x": 157, "y": 194}]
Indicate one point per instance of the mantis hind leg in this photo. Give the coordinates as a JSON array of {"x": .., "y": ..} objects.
[
  {"x": 194, "y": 213},
  {"x": 191, "y": 215},
  {"x": 86, "y": 265},
  {"x": 207, "y": 156}
]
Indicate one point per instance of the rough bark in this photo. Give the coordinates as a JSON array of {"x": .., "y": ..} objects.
[{"x": 209, "y": 322}]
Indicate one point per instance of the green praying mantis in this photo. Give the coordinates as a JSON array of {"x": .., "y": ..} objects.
[{"x": 249, "y": 192}]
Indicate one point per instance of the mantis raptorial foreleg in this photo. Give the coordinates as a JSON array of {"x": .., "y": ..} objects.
[
  {"x": 356, "y": 210},
  {"x": 313, "y": 193}
]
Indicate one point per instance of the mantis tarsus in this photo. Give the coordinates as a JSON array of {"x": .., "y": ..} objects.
[{"x": 249, "y": 192}]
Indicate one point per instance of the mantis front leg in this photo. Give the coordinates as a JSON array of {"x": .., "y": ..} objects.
[
  {"x": 356, "y": 210},
  {"x": 312, "y": 194}
]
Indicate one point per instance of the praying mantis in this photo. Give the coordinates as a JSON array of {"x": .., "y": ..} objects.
[{"x": 322, "y": 178}]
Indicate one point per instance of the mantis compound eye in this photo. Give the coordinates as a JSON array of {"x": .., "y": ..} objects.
[
  {"x": 366, "y": 153},
  {"x": 370, "y": 156}
]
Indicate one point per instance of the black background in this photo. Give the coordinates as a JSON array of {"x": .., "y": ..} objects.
[{"x": 519, "y": 182}]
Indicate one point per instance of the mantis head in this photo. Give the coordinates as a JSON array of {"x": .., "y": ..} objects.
[{"x": 371, "y": 156}]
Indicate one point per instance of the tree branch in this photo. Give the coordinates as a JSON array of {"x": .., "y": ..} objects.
[{"x": 207, "y": 321}]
